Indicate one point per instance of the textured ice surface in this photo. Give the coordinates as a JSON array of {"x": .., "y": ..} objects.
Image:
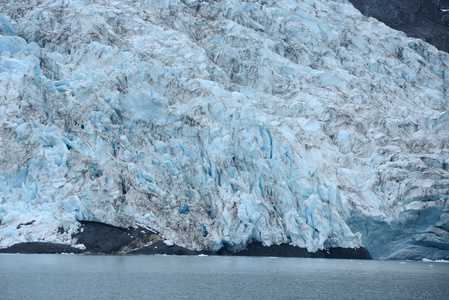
[{"x": 221, "y": 122}]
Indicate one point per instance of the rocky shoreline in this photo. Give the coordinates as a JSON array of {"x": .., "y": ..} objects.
[
  {"x": 103, "y": 239},
  {"x": 286, "y": 250}
]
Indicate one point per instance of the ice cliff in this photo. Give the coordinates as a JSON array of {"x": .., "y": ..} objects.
[{"x": 223, "y": 122}]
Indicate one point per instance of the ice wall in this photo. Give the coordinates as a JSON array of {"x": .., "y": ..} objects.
[{"x": 221, "y": 122}]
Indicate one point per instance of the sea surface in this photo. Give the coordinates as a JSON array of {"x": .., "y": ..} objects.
[{"x": 68, "y": 276}]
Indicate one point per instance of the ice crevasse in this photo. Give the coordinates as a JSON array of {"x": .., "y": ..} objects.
[{"x": 218, "y": 123}]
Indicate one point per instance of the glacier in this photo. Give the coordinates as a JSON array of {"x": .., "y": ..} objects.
[{"x": 220, "y": 123}]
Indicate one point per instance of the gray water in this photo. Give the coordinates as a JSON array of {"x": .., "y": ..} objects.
[{"x": 173, "y": 277}]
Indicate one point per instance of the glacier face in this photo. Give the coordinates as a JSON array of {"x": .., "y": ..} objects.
[{"x": 223, "y": 122}]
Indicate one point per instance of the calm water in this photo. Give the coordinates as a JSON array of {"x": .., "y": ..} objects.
[{"x": 172, "y": 277}]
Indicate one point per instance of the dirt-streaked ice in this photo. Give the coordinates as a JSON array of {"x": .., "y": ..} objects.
[{"x": 221, "y": 122}]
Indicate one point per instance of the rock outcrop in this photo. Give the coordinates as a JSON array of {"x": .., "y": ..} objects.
[{"x": 424, "y": 19}]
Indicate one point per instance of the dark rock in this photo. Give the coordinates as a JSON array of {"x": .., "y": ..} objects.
[
  {"x": 351, "y": 253},
  {"x": 107, "y": 239},
  {"x": 40, "y": 248},
  {"x": 286, "y": 250},
  {"x": 424, "y": 19},
  {"x": 160, "y": 247},
  {"x": 391, "y": 12},
  {"x": 25, "y": 224},
  {"x": 283, "y": 250},
  {"x": 61, "y": 229}
]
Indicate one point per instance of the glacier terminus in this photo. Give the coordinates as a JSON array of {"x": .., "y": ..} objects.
[{"x": 221, "y": 123}]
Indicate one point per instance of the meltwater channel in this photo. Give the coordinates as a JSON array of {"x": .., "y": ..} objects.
[{"x": 209, "y": 277}]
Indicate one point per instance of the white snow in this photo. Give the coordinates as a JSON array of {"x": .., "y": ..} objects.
[
  {"x": 219, "y": 122},
  {"x": 168, "y": 243}
]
